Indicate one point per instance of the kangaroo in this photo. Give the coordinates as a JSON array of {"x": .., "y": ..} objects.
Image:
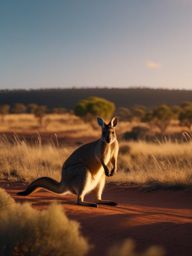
[{"x": 86, "y": 168}]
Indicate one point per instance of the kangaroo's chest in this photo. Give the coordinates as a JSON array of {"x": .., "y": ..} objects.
[{"x": 107, "y": 155}]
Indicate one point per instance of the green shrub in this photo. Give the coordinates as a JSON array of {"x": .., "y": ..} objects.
[
  {"x": 4, "y": 110},
  {"x": 95, "y": 106},
  {"x": 162, "y": 116},
  {"x": 185, "y": 117},
  {"x": 19, "y": 108},
  {"x": 137, "y": 133},
  {"x": 26, "y": 231}
]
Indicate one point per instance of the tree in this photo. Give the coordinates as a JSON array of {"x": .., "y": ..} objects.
[
  {"x": 4, "y": 110},
  {"x": 91, "y": 107},
  {"x": 138, "y": 112},
  {"x": 185, "y": 117},
  {"x": 19, "y": 108},
  {"x": 40, "y": 112},
  {"x": 124, "y": 114},
  {"x": 176, "y": 110},
  {"x": 162, "y": 116},
  {"x": 59, "y": 110},
  {"x": 148, "y": 118},
  {"x": 186, "y": 104},
  {"x": 32, "y": 108}
]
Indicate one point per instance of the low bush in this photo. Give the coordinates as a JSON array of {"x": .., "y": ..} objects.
[
  {"x": 137, "y": 133},
  {"x": 26, "y": 231},
  {"x": 127, "y": 248}
]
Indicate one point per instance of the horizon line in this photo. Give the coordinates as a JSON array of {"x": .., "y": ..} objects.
[{"x": 96, "y": 87}]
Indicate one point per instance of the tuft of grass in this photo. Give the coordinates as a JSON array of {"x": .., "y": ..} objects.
[
  {"x": 6, "y": 200},
  {"x": 165, "y": 164},
  {"x": 128, "y": 248},
  {"x": 22, "y": 162},
  {"x": 26, "y": 231}
]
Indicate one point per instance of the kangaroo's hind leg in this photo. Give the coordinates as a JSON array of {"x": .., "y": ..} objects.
[
  {"x": 84, "y": 187},
  {"x": 99, "y": 191}
]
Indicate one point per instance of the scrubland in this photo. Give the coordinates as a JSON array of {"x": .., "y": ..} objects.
[
  {"x": 143, "y": 164},
  {"x": 140, "y": 163}
]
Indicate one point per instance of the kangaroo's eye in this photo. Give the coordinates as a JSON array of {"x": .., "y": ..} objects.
[{"x": 113, "y": 133}]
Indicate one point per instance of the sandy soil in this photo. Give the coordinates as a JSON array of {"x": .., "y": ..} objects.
[{"x": 150, "y": 218}]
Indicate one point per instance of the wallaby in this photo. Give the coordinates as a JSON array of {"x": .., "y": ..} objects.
[{"x": 86, "y": 168}]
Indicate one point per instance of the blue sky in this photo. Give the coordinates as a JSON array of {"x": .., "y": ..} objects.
[{"x": 114, "y": 43}]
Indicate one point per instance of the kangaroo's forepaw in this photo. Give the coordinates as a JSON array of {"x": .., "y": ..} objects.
[{"x": 107, "y": 173}]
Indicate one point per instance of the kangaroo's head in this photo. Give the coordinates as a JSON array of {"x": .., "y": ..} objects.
[{"x": 108, "y": 130}]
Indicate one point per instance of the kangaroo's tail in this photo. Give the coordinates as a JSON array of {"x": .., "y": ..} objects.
[{"x": 44, "y": 182}]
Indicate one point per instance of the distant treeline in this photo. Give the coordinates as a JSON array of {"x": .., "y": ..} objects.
[{"x": 68, "y": 98}]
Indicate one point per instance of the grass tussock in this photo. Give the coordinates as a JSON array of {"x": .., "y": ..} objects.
[
  {"x": 21, "y": 162},
  {"x": 6, "y": 201},
  {"x": 26, "y": 231},
  {"x": 127, "y": 248},
  {"x": 165, "y": 164}
]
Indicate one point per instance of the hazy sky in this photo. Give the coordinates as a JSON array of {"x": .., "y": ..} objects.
[{"x": 118, "y": 43}]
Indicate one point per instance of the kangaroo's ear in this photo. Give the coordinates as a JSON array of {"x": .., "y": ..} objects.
[
  {"x": 100, "y": 122},
  {"x": 114, "y": 121}
]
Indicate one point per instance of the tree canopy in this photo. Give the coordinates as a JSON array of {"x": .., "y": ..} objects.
[{"x": 95, "y": 106}]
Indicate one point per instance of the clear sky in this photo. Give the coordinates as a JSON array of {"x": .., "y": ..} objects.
[{"x": 115, "y": 43}]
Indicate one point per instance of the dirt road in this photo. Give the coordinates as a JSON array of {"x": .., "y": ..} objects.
[{"x": 161, "y": 218}]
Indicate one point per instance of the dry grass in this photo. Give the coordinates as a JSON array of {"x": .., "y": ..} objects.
[
  {"x": 23, "y": 162},
  {"x": 51, "y": 123},
  {"x": 26, "y": 231},
  {"x": 164, "y": 164},
  {"x": 127, "y": 248}
]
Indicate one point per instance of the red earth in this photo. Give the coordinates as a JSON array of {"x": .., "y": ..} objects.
[{"x": 161, "y": 217}]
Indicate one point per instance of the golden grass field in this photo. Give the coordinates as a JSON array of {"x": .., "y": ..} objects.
[
  {"x": 67, "y": 122},
  {"x": 140, "y": 163},
  {"x": 166, "y": 164}
]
